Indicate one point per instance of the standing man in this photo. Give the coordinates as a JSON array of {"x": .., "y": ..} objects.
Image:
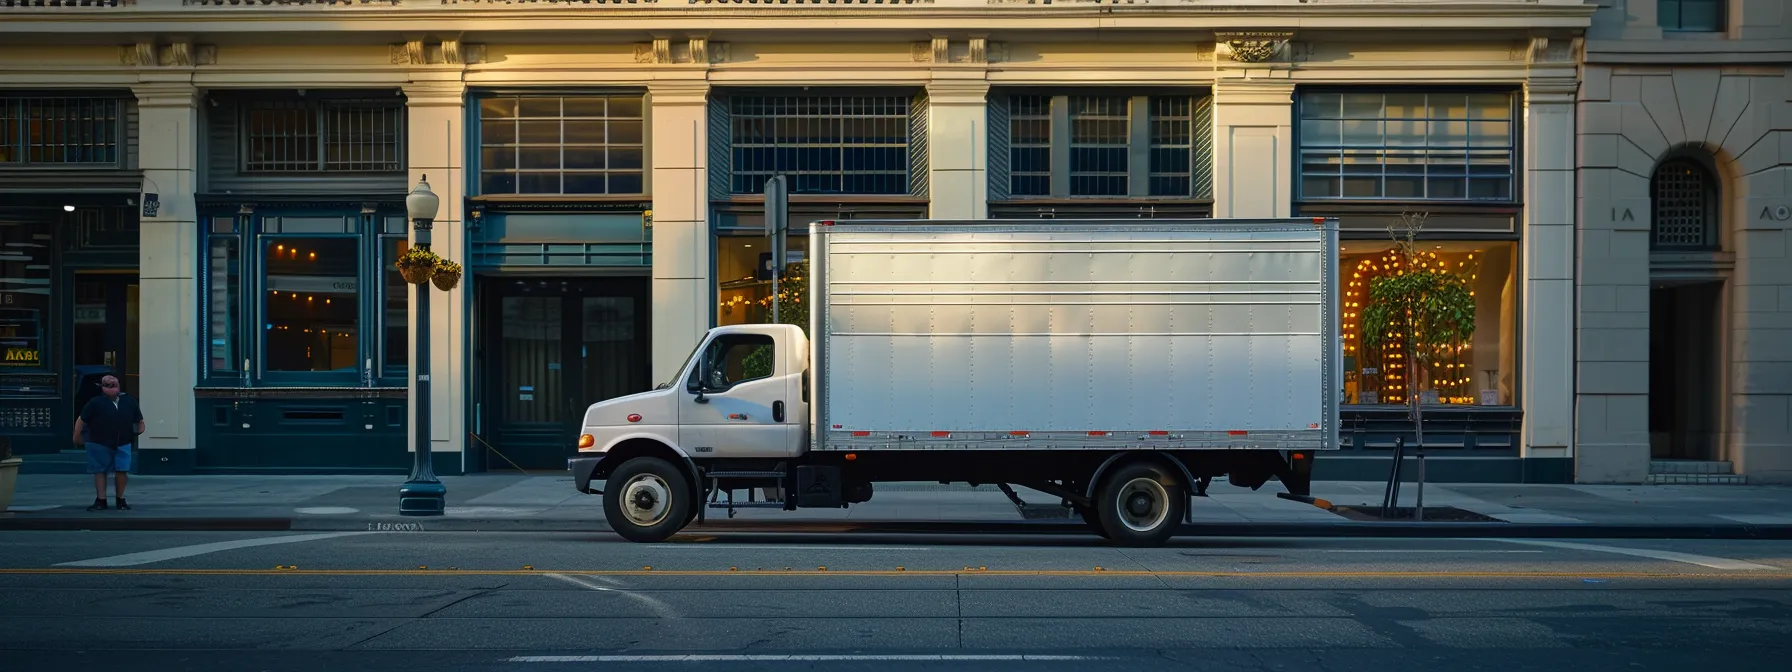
[{"x": 108, "y": 426}]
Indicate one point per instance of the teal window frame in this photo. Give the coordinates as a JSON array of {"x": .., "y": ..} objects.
[{"x": 1308, "y": 110}]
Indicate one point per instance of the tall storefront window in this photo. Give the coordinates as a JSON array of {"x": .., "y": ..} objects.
[
  {"x": 1477, "y": 370},
  {"x": 224, "y": 297},
  {"x": 561, "y": 145},
  {"x": 396, "y": 323},
  {"x": 311, "y": 302},
  {"x": 744, "y": 280},
  {"x": 26, "y": 252}
]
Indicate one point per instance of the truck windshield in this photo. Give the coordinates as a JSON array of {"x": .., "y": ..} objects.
[{"x": 681, "y": 364}]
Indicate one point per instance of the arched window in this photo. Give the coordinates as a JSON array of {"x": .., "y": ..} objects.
[{"x": 1683, "y": 195}]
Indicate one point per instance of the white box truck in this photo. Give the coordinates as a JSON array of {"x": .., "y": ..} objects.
[{"x": 1119, "y": 365}]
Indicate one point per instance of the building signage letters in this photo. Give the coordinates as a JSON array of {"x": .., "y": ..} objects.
[
  {"x": 22, "y": 356},
  {"x": 1624, "y": 216},
  {"x": 1779, "y": 214}
]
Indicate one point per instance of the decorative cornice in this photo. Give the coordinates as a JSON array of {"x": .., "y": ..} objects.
[
  {"x": 435, "y": 94},
  {"x": 1544, "y": 50},
  {"x": 958, "y": 92},
  {"x": 166, "y": 94},
  {"x": 974, "y": 50},
  {"x": 446, "y": 52}
]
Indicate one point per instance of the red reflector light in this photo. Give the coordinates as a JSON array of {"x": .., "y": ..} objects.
[
  {"x": 1156, "y": 433},
  {"x": 1098, "y": 433},
  {"x": 827, "y": 222},
  {"x": 851, "y": 456},
  {"x": 1302, "y": 456},
  {"x": 1237, "y": 432},
  {"x": 861, "y": 433},
  {"x": 634, "y": 417},
  {"x": 941, "y": 435},
  {"x": 1017, "y": 433}
]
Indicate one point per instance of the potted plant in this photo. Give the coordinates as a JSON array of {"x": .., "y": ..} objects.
[
  {"x": 446, "y": 275},
  {"x": 417, "y": 265},
  {"x": 9, "y": 472}
]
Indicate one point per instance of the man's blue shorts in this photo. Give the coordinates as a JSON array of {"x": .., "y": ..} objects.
[{"x": 103, "y": 460}]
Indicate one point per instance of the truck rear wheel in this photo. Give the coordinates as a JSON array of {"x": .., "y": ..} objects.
[
  {"x": 647, "y": 499},
  {"x": 1140, "y": 504}
]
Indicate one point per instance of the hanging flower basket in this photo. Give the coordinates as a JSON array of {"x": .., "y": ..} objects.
[
  {"x": 447, "y": 275},
  {"x": 417, "y": 265}
]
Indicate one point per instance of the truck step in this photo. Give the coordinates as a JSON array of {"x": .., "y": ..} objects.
[
  {"x": 746, "y": 505},
  {"x": 744, "y": 474}
]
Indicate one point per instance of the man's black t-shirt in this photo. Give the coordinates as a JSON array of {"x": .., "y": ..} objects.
[{"x": 111, "y": 423}]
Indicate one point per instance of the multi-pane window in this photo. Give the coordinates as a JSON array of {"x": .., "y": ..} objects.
[
  {"x": 1100, "y": 133},
  {"x": 1111, "y": 145},
  {"x": 1172, "y": 145},
  {"x": 224, "y": 297},
  {"x": 323, "y": 136},
  {"x": 1030, "y": 145},
  {"x": 822, "y": 144},
  {"x": 562, "y": 145},
  {"x": 1407, "y": 146},
  {"x": 1700, "y": 16},
  {"x": 60, "y": 131}
]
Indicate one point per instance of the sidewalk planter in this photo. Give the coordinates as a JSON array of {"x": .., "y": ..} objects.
[{"x": 9, "y": 477}]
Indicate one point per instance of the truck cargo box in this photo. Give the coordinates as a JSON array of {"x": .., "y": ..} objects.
[{"x": 1073, "y": 335}]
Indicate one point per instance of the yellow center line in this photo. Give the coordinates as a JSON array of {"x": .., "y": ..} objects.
[{"x": 915, "y": 573}]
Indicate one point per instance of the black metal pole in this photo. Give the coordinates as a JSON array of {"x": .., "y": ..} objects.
[{"x": 423, "y": 494}]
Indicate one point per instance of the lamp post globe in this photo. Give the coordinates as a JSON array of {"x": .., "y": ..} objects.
[{"x": 422, "y": 494}]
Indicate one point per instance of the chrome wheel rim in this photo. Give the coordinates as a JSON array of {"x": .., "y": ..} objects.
[
  {"x": 646, "y": 500},
  {"x": 1142, "y": 504}
]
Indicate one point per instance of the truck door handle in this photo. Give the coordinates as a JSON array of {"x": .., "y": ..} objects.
[{"x": 777, "y": 411}]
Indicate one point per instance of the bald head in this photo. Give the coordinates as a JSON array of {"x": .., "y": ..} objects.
[{"x": 110, "y": 385}]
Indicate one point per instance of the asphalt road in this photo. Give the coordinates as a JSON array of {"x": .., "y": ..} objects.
[{"x": 554, "y": 602}]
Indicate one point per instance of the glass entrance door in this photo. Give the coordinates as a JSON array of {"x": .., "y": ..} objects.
[
  {"x": 550, "y": 348},
  {"x": 105, "y": 333}
]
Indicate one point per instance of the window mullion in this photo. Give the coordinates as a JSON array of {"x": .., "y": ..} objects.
[
  {"x": 1060, "y": 148},
  {"x": 1138, "y": 147}
]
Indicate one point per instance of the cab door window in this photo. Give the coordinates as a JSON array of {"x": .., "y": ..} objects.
[{"x": 734, "y": 359}]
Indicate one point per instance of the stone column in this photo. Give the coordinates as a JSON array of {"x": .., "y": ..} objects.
[
  {"x": 1546, "y": 375},
  {"x": 168, "y": 271},
  {"x": 958, "y": 154},
  {"x": 1253, "y": 141},
  {"x": 435, "y": 132},
  {"x": 683, "y": 296}
]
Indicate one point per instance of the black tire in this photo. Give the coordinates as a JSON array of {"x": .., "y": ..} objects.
[
  {"x": 655, "y": 484},
  {"x": 1141, "y": 504}
]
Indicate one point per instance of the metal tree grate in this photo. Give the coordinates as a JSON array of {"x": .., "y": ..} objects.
[{"x": 1684, "y": 200}]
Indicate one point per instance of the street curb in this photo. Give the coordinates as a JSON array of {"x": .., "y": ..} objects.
[{"x": 1354, "y": 529}]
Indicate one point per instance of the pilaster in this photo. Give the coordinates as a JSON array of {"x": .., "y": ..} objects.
[
  {"x": 958, "y": 135},
  {"x": 683, "y": 297},
  {"x": 1253, "y": 141},
  {"x": 1547, "y": 372},
  {"x": 168, "y": 115},
  {"x": 435, "y": 116}
]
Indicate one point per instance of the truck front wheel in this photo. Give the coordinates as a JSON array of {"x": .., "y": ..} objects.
[
  {"x": 647, "y": 499},
  {"x": 1140, "y": 504}
]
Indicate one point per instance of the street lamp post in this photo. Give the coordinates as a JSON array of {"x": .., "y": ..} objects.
[{"x": 422, "y": 494}]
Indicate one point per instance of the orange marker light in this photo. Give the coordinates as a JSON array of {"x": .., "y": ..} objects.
[{"x": 586, "y": 441}]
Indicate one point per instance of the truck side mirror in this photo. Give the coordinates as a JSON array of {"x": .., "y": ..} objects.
[{"x": 701, "y": 384}]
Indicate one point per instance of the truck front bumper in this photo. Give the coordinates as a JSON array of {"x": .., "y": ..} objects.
[{"x": 582, "y": 469}]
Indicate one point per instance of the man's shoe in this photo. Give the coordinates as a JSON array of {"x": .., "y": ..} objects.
[
  {"x": 123, "y": 506},
  {"x": 98, "y": 505}
]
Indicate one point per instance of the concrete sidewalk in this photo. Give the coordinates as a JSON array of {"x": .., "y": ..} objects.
[{"x": 510, "y": 502}]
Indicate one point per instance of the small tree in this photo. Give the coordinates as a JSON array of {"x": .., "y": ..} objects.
[{"x": 1427, "y": 308}]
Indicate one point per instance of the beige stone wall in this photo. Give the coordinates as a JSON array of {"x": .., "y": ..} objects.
[
  {"x": 1631, "y": 117},
  {"x": 1254, "y": 137}
]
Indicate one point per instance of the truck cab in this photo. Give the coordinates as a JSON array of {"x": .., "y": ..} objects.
[{"x": 741, "y": 397}]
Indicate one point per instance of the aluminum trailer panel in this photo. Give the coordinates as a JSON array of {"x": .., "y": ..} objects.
[{"x": 1067, "y": 335}]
